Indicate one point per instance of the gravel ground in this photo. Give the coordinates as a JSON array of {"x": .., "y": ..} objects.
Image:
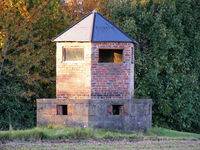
[{"x": 146, "y": 144}]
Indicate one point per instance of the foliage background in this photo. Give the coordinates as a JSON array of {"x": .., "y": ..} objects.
[{"x": 167, "y": 59}]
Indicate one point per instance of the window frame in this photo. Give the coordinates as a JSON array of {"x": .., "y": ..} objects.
[
  {"x": 60, "y": 112},
  {"x": 121, "y": 49},
  {"x": 72, "y": 61},
  {"x": 118, "y": 108}
]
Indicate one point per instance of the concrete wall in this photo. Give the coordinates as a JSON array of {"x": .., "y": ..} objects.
[
  {"x": 112, "y": 80},
  {"x": 73, "y": 79},
  {"x": 137, "y": 114},
  {"x": 47, "y": 113}
]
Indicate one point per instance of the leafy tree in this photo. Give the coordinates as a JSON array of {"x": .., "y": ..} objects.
[
  {"x": 80, "y": 8},
  {"x": 27, "y": 57},
  {"x": 167, "y": 57}
]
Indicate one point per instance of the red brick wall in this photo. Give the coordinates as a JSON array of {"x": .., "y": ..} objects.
[{"x": 112, "y": 80}]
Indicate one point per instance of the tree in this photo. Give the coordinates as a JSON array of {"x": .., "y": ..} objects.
[
  {"x": 79, "y": 8},
  {"x": 167, "y": 57},
  {"x": 27, "y": 57}
]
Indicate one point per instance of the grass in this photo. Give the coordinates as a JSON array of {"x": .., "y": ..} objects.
[
  {"x": 60, "y": 133},
  {"x": 66, "y": 133},
  {"x": 162, "y": 132},
  {"x": 114, "y": 145}
]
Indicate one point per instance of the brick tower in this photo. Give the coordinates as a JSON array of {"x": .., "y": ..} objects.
[{"x": 94, "y": 79}]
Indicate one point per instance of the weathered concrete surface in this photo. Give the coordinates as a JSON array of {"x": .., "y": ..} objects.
[{"x": 136, "y": 113}]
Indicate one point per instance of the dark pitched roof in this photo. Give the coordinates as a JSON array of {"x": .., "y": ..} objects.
[{"x": 94, "y": 28}]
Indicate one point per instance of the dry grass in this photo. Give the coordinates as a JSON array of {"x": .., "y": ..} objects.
[
  {"x": 87, "y": 138},
  {"x": 164, "y": 144}
]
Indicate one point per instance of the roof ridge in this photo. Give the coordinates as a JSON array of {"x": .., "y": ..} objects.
[{"x": 93, "y": 24}]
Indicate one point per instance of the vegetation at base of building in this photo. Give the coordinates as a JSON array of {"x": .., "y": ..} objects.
[
  {"x": 167, "y": 59},
  {"x": 66, "y": 133},
  {"x": 37, "y": 134}
]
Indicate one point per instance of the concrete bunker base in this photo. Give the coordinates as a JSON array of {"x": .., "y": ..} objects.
[{"x": 134, "y": 114}]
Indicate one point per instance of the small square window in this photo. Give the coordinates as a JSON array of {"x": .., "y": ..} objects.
[
  {"x": 110, "y": 55},
  {"x": 117, "y": 109},
  {"x": 62, "y": 110},
  {"x": 72, "y": 54}
]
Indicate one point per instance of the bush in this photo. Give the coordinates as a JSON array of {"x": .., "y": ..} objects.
[
  {"x": 81, "y": 133},
  {"x": 23, "y": 135}
]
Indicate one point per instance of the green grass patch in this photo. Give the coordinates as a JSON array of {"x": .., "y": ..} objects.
[
  {"x": 23, "y": 135},
  {"x": 60, "y": 133},
  {"x": 162, "y": 132},
  {"x": 64, "y": 133}
]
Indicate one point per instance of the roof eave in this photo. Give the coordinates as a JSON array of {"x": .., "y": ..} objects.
[{"x": 100, "y": 41}]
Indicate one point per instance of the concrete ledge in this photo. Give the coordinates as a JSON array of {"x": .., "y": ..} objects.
[
  {"x": 53, "y": 100},
  {"x": 136, "y": 114}
]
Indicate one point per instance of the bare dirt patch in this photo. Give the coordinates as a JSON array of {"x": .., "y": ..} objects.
[{"x": 145, "y": 144}]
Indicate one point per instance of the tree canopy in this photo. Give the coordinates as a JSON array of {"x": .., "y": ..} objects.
[{"x": 167, "y": 58}]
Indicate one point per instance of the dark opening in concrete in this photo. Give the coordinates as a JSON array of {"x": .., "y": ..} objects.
[
  {"x": 111, "y": 55},
  {"x": 117, "y": 109},
  {"x": 62, "y": 110}
]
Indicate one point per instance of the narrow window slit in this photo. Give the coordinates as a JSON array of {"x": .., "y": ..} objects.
[
  {"x": 62, "y": 110},
  {"x": 117, "y": 109}
]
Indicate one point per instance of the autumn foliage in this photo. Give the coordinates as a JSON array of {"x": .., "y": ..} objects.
[
  {"x": 79, "y": 8},
  {"x": 27, "y": 56},
  {"x": 167, "y": 59}
]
